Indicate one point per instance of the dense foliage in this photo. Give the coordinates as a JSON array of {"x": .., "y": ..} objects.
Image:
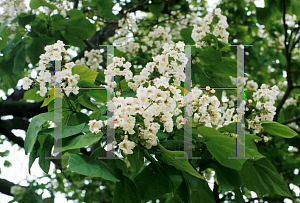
[{"x": 153, "y": 113}]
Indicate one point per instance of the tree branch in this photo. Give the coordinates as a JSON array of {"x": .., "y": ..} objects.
[
  {"x": 5, "y": 187},
  {"x": 287, "y": 67},
  {"x": 291, "y": 120},
  {"x": 21, "y": 109}
]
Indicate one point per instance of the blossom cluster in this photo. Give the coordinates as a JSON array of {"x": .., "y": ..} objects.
[
  {"x": 265, "y": 99},
  {"x": 61, "y": 7},
  {"x": 10, "y": 10},
  {"x": 289, "y": 102},
  {"x": 92, "y": 59},
  {"x": 209, "y": 25},
  {"x": 69, "y": 81}
]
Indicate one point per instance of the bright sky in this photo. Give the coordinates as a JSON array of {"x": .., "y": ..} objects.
[{"x": 18, "y": 173}]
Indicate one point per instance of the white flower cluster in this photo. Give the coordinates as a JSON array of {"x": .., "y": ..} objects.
[
  {"x": 290, "y": 101},
  {"x": 62, "y": 8},
  {"x": 289, "y": 20},
  {"x": 10, "y": 10},
  {"x": 94, "y": 58},
  {"x": 294, "y": 125},
  {"x": 125, "y": 24},
  {"x": 125, "y": 42},
  {"x": 208, "y": 110},
  {"x": 209, "y": 26},
  {"x": 172, "y": 62},
  {"x": 157, "y": 38},
  {"x": 251, "y": 85},
  {"x": 265, "y": 99},
  {"x": 149, "y": 104},
  {"x": 278, "y": 42},
  {"x": 54, "y": 52}
]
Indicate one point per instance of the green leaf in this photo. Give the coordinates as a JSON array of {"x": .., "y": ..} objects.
[
  {"x": 80, "y": 141},
  {"x": 32, "y": 95},
  {"x": 85, "y": 73},
  {"x": 33, "y": 155},
  {"x": 125, "y": 191},
  {"x": 50, "y": 96},
  {"x": 46, "y": 153},
  {"x": 115, "y": 163},
  {"x": 238, "y": 196},
  {"x": 183, "y": 191},
  {"x": 262, "y": 177},
  {"x": 203, "y": 194},
  {"x": 277, "y": 129},
  {"x": 156, "y": 8},
  {"x": 75, "y": 29},
  {"x": 227, "y": 178},
  {"x": 84, "y": 101},
  {"x": 263, "y": 15},
  {"x": 79, "y": 26},
  {"x": 136, "y": 160},
  {"x": 25, "y": 19},
  {"x": 35, "y": 4},
  {"x": 19, "y": 61},
  {"x": 105, "y": 8},
  {"x": 174, "y": 175},
  {"x": 85, "y": 166},
  {"x": 36, "y": 47},
  {"x": 67, "y": 131},
  {"x": 98, "y": 95},
  {"x": 162, "y": 135},
  {"x": 221, "y": 147},
  {"x": 186, "y": 34},
  {"x": 82, "y": 118},
  {"x": 35, "y": 126},
  {"x": 7, "y": 163},
  {"x": 128, "y": 93},
  {"x": 182, "y": 164},
  {"x": 152, "y": 184},
  {"x": 209, "y": 38}
]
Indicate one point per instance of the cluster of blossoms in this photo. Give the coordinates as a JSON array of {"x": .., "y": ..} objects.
[
  {"x": 210, "y": 26},
  {"x": 69, "y": 81},
  {"x": 125, "y": 41},
  {"x": 289, "y": 20},
  {"x": 10, "y": 10},
  {"x": 290, "y": 101},
  {"x": 157, "y": 38},
  {"x": 207, "y": 109},
  {"x": 170, "y": 64},
  {"x": 278, "y": 43},
  {"x": 92, "y": 59},
  {"x": 62, "y": 8},
  {"x": 265, "y": 99}
]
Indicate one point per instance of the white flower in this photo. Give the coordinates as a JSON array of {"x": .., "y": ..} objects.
[
  {"x": 95, "y": 126},
  {"x": 42, "y": 91},
  {"x": 126, "y": 145},
  {"x": 218, "y": 11},
  {"x": 26, "y": 83}
]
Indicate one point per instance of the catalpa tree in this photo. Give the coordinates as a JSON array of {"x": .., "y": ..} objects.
[{"x": 149, "y": 101}]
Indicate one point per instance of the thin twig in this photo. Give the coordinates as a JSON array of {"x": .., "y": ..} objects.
[{"x": 291, "y": 120}]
